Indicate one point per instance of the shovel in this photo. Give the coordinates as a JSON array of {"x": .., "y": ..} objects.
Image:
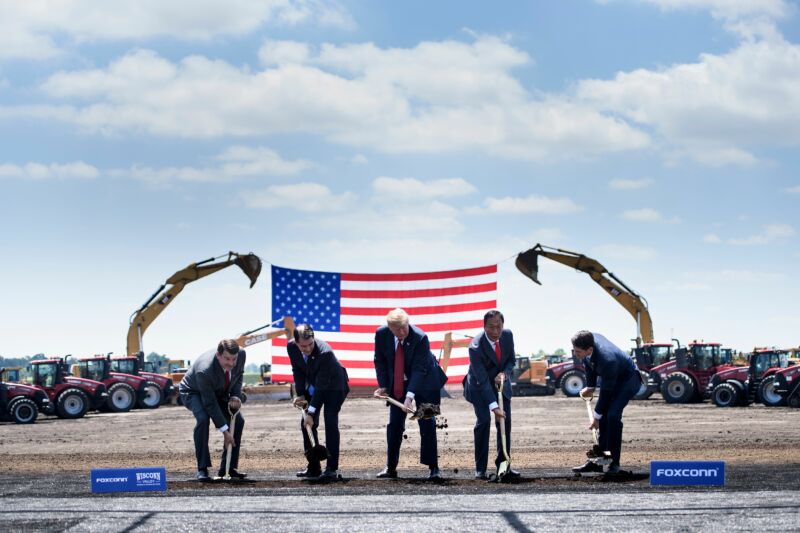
[
  {"x": 229, "y": 449},
  {"x": 317, "y": 453},
  {"x": 505, "y": 466},
  {"x": 596, "y": 454},
  {"x": 424, "y": 411}
]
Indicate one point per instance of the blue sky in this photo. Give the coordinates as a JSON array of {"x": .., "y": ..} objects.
[{"x": 659, "y": 137}]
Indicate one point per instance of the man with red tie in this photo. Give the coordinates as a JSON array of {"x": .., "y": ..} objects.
[
  {"x": 491, "y": 354},
  {"x": 212, "y": 387},
  {"x": 407, "y": 371}
]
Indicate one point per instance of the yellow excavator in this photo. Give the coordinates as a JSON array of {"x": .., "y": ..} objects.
[
  {"x": 267, "y": 389},
  {"x": 143, "y": 317},
  {"x": 528, "y": 263}
]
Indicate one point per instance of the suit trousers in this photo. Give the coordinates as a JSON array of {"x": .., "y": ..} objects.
[
  {"x": 481, "y": 434},
  {"x": 610, "y": 437},
  {"x": 428, "y": 454},
  {"x": 331, "y": 405},
  {"x": 194, "y": 403}
]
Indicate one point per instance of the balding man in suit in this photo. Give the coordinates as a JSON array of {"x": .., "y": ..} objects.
[{"x": 210, "y": 389}]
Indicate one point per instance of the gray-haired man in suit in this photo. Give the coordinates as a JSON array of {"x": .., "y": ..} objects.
[{"x": 212, "y": 387}]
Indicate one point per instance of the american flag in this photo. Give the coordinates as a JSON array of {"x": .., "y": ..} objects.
[{"x": 346, "y": 309}]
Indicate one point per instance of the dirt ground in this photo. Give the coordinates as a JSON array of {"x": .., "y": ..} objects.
[{"x": 549, "y": 435}]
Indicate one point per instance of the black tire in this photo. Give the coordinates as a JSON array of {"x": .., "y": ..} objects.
[
  {"x": 769, "y": 397},
  {"x": 644, "y": 390},
  {"x": 678, "y": 388},
  {"x": 794, "y": 400},
  {"x": 121, "y": 398},
  {"x": 726, "y": 395},
  {"x": 152, "y": 397},
  {"x": 23, "y": 410},
  {"x": 72, "y": 403},
  {"x": 572, "y": 382}
]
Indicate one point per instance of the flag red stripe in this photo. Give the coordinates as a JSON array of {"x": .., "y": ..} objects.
[
  {"x": 445, "y": 326},
  {"x": 422, "y": 310},
  {"x": 354, "y": 382},
  {"x": 419, "y": 276},
  {"x": 281, "y": 342},
  {"x": 347, "y": 363},
  {"x": 419, "y": 293}
]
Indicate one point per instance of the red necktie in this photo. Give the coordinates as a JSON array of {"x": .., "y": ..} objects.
[
  {"x": 497, "y": 351},
  {"x": 227, "y": 379},
  {"x": 399, "y": 370}
]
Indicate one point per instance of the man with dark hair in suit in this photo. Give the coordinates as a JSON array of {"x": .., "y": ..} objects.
[
  {"x": 408, "y": 372},
  {"x": 321, "y": 382},
  {"x": 210, "y": 389},
  {"x": 491, "y": 355},
  {"x": 619, "y": 383}
]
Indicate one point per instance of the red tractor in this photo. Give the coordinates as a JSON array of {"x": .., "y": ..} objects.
[
  {"x": 685, "y": 379},
  {"x": 569, "y": 376},
  {"x": 158, "y": 388},
  {"x": 22, "y": 402},
  {"x": 124, "y": 390},
  {"x": 782, "y": 388},
  {"x": 741, "y": 385},
  {"x": 647, "y": 357},
  {"x": 70, "y": 397}
]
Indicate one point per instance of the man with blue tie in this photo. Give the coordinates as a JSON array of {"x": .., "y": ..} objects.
[
  {"x": 619, "y": 381},
  {"x": 408, "y": 372},
  {"x": 491, "y": 355},
  {"x": 321, "y": 383}
]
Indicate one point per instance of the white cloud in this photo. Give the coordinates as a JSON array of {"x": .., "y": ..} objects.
[
  {"x": 627, "y": 185},
  {"x": 359, "y": 159},
  {"x": 793, "y": 190},
  {"x": 712, "y": 238},
  {"x": 414, "y": 189},
  {"x": 236, "y": 162},
  {"x": 647, "y": 214},
  {"x": 304, "y": 197},
  {"x": 37, "y": 29},
  {"x": 728, "y": 9},
  {"x": 53, "y": 171},
  {"x": 434, "y": 97},
  {"x": 625, "y": 252},
  {"x": 769, "y": 234},
  {"x": 530, "y": 204}
]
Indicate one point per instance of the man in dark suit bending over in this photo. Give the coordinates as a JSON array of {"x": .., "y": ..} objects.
[
  {"x": 408, "y": 372},
  {"x": 212, "y": 387},
  {"x": 321, "y": 382}
]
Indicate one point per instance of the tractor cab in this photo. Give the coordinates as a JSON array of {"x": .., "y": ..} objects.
[
  {"x": 701, "y": 357},
  {"x": 651, "y": 355},
  {"x": 126, "y": 365},
  {"x": 95, "y": 368},
  {"x": 11, "y": 374},
  {"x": 763, "y": 360},
  {"x": 47, "y": 373}
]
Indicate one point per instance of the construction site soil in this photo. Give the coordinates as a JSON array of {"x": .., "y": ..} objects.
[{"x": 760, "y": 445}]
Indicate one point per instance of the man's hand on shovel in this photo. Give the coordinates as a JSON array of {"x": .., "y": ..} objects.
[
  {"x": 498, "y": 413},
  {"x": 308, "y": 420},
  {"x": 228, "y": 439}
]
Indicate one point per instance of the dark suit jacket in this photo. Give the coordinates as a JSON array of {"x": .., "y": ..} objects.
[
  {"x": 207, "y": 379},
  {"x": 421, "y": 367},
  {"x": 479, "y": 385},
  {"x": 322, "y": 370},
  {"x": 613, "y": 366}
]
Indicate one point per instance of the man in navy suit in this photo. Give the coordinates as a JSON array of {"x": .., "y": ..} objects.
[
  {"x": 408, "y": 372},
  {"x": 210, "y": 389},
  {"x": 491, "y": 355},
  {"x": 321, "y": 382},
  {"x": 619, "y": 382}
]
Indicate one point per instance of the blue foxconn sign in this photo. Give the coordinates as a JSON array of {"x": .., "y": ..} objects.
[
  {"x": 687, "y": 473},
  {"x": 128, "y": 479}
]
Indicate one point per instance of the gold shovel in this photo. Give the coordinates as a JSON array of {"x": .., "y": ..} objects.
[
  {"x": 229, "y": 449},
  {"x": 596, "y": 454},
  {"x": 504, "y": 467}
]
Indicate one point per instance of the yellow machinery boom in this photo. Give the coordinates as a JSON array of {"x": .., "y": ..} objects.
[
  {"x": 636, "y": 305},
  {"x": 142, "y": 318}
]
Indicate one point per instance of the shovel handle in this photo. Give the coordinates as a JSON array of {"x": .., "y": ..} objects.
[
  {"x": 229, "y": 448},
  {"x": 395, "y": 403}
]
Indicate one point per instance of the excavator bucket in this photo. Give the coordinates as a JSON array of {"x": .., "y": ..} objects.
[
  {"x": 528, "y": 264},
  {"x": 250, "y": 265}
]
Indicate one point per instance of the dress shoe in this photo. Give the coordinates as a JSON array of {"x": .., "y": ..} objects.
[
  {"x": 387, "y": 473},
  {"x": 613, "y": 469},
  {"x": 309, "y": 472},
  {"x": 202, "y": 475},
  {"x": 586, "y": 467},
  {"x": 481, "y": 475},
  {"x": 434, "y": 474},
  {"x": 235, "y": 474},
  {"x": 328, "y": 475}
]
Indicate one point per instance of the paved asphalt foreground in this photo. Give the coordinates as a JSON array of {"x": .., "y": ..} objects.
[{"x": 544, "y": 502}]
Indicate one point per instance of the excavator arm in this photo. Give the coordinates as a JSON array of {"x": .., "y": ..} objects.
[
  {"x": 142, "y": 318},
  {"x": 528, "y": 263},
  {"x": 248, "y": 338}
]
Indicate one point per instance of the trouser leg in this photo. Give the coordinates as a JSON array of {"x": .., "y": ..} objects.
[
  {"x": 394, "y": 436},
  {"x": 483, "y": 418}
]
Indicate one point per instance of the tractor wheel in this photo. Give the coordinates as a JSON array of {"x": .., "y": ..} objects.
[
  {"x": 572, "y": 382},
  {"x": 23, "y": 411},
  {"x": 678, "y": 388},
  {"x": 644, "y": 390},
  {"x": 769, "y": 397},
  {"x": 725, "y": 395},
  {"x": 121, "y": 397},
  {"x": 152, "y": 396},
  {"x": 794, "y": 400},
  {"x": 72, "y": 403}
]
